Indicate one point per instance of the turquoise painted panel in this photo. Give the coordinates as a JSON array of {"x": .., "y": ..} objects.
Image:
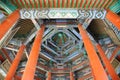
[
  {"x": 9, "y": 5},
  {"x": 116, "y": 7}
]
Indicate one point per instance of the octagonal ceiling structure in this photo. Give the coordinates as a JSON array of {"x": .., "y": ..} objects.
[{"x": 61, "y": 44}]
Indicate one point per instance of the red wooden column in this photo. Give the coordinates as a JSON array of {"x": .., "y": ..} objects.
[
  {"x": 108, "y": 66},
  {"x": 49, "y": 76},
  {"x": 15, "y": 63},
  {"x": 33, "y": 57},
  {"x": 8, "y": 23},
  {"x": 71, "y": 76},
  {"x": 114, "y": 18},
  {"x": 97, "y": 68}
]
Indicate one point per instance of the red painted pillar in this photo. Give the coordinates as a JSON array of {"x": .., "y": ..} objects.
[
  {"x": 15, "y": 63},
  {"x": 97, "y": 68},
  {"x": 8, "y": 23},
  {"x": 71, "y": 76},
  {"x": 108, "y": 66},
  {"x": 114, "y": 18},
  {"x": 33, "y": 57},
  {"x": 49, "y": 76}
]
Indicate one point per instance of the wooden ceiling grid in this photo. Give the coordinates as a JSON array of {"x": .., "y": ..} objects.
[{"x": 63, "y": 3}]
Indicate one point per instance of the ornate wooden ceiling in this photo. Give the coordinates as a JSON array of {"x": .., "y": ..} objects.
[{"x": 63, "y": 3}]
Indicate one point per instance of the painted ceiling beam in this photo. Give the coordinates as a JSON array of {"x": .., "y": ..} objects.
[
  {"x": 70, "y": 57},
  {"x": 16, "y": 50},
  {"x": 71, "y": 35},
  {"x": 53, "y": 44},
  {"x": 74, "y": 46},
  {"x": 50, "y": 49},
  {"x": 53, "y": 13},
  {"x": 37, "y": 26},
  {"x": 48, "y": 56},
  {"x": 68, "y": 43},
  {"x": 76, "y": 33}
]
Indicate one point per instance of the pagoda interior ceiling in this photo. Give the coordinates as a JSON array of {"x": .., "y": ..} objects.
[{"x": 62, "y": 45}]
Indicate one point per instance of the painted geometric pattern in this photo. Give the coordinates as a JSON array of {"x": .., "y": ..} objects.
[
  {"x": 92, "y": 14},
  {"x": 62, "y": 13},
  {"x": 65, "y": 13}
]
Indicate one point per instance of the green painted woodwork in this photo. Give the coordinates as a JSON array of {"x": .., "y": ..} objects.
[
  {"x": 115, "y": 7},
  {"x": 7, "y": 5},
  {"x": 60, "y": 38},
  {"x": 3, "y": 6}
]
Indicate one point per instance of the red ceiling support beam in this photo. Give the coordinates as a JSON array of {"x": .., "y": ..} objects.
[
  {"x": 40, "y": 1},
  {"x": 98, "y": 69},
  {"x": 6, "y": 54},
  {"x": 58, "y": 3},
  {"x": 68, "y": 4},
  {"x": 63, "y": 3},
  {"x": 113, "y": 18},
  {"x": 108, "y": 66},
  {"x": 33, "y": 57},
  {"x": 54, "y": 2},
  {"x": 15, "y": 63},
  {"x": 31, "y": 3},
  {"x": 72, "y": 3},
  {"x": 71, "y": 76},
  {"x": 36, "y": 3},
  {"x": 114, "y": 53},
  {"x": 49, "y": 76},
  {"x": 23, "y": 5},
  {"x": 8, "y": 23},
  {"x": 89, "y": 6},
  {"x": 50, "y": 3},
  {"x": 45, "y": 3},
  {"x": 18, "y": 4},
  {"x": 27, "y": 4}
]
